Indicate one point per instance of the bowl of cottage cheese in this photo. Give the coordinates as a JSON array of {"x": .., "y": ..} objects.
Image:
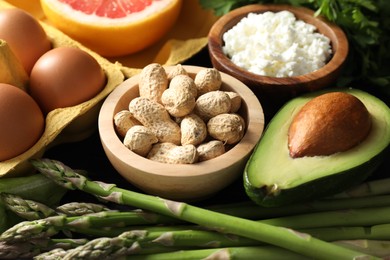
[{"x": 279, "y": 51}]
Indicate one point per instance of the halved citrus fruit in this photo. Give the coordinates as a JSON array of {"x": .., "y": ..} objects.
[{"x": 113, "y": 27}]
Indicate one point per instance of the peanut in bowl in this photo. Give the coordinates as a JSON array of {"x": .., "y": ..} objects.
[{"x": 180, "y": 181}]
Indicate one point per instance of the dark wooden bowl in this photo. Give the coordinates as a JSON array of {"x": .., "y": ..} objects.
[{"x": 272, "y": 91}]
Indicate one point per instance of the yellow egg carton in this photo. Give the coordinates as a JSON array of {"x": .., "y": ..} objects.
[{"x": 65, "y": 124}]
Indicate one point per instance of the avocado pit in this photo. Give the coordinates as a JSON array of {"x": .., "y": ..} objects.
[{"x": 330, "y": 123}]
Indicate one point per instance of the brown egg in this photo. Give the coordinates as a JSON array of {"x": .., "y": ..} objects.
[
  {"x": 22, "y": 122},
  {"x": 24, "y": 35},
  {"x": 64, "y": 77}
]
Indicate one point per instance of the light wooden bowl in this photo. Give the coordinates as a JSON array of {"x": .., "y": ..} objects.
[
  {"x": 273, "y": 91},
  {"x": 184, "y": 182}
]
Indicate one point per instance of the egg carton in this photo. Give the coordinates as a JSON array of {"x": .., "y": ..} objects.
[{"x": 67, "y": 124}]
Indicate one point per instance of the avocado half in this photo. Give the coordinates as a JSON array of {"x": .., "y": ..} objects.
[{"x": 272, "y": 178}]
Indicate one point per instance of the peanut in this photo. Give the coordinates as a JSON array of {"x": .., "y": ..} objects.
[
  {"x": 176, "y": 70},
  {"x": 179, "y": 98},
  {"x": 175, "y": 113},
  {"x": 212, "y": 104},
  {"x": 228, "y": 128},
  {"x": 235, "y": 100},
  {"x": 173, "y": 154},
  {"x": 210, "y": 150},
  {"x": 207, "y": 80},
  {"x": 193, "y": 130},
  {"x": 153, "y": 82},
  {"x": 154, "y": 116},
  {"x": 184, "y": 81},
  {"x": 123, "y": 121},
  {"x": 140, "y": 139}
]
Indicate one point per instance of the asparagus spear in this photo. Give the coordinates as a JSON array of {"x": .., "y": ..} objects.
[
  {"x": 381, "y": 232},
  {"x": 55, "y": 254},
  {"x": 108, "y": 248},
  {"x": 32, "y": 210},
  {"x": 34, "y": 229},
  {"x": 197, "y": 237},
  {"x": 91, "y": 224},
  {"x": 232, "y": 253},
  {"x": 27, "y": 209},
  {"x": 349, "y": 217},
  {"x": 367, "y": 189},
  {"x": 33, "y": 247},
  {"x": 286, "y": 238},
  {"x": 100, "y": 224},
  {"x": 373, "y": 193},
  {"x": 80, "y": 208},
  {"x": 354, "y": 216},
  {"x": 236, "y": 253},
  {"x": 375, "y": 247},
  {"x": 95, "y": 251},
  {"x": 256, "y": 212},
  {"x": 153, "y": 240},
  {"x": 52, "y": 225},
  {"x": 133, "y": 243},
  {"x": 174, "y": 236}
]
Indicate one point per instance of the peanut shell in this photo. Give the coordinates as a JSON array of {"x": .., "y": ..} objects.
[
  {"x": 154, "y": 116},
  {"x": 208, "y": 79},
  {"x": 212, "y": 104},
  {"x": 179, "y": 98},
  {"x": 235, "y": 100},
  {"x": 173, "y": 154},
  {"x": 178, "y": 69},
  {"x": 228, "y": 128},
  {"x": 153, "y": 82},
  {"x": 193, "y": 130},
  {"x": 123, "y": 121},
  {"x": 140, "y": 139},
  {"x": 210, "y": 150}
]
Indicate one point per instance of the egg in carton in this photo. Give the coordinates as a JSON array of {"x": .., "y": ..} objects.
[{"x": 68, "y": 124}]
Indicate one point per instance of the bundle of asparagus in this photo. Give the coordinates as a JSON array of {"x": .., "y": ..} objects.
[{"x": 164, "y": 229}]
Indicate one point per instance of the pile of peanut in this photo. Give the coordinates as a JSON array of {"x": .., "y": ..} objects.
[{"x": 178, "y": 119}]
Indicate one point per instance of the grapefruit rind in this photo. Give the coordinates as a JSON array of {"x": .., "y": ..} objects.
[
  {"x": 65, "y": 124},
  {"x": 119, "y": 36}
]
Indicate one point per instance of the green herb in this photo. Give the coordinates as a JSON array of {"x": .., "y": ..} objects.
[{"x": 367, "y": 26}]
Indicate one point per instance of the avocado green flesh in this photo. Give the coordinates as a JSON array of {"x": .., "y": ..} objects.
[{"x": 271, "y": 172}]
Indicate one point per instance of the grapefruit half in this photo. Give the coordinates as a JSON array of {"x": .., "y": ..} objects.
[{"x": 113, "y": 27}]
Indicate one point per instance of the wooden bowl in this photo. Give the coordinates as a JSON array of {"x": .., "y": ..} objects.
[
  {"x": 184, "y": 182},
  {"x": 273, "y": 91}
]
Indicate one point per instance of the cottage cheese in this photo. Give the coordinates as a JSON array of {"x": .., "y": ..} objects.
[{"x": 276, "y": 44}]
